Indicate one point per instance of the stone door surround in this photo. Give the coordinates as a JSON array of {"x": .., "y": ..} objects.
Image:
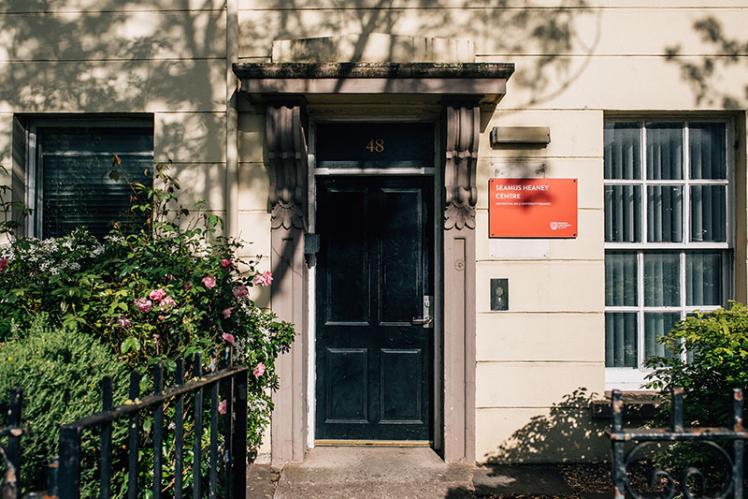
[{"x": 464, "y": 88}]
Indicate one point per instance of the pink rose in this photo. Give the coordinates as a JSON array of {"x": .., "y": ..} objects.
[
  {"x": 209, "y": 282},
  {"x": 227, "y": 312},
  {"x": 241, "y": 291},
  {"x": 124, "y": 322},
  {"x": 225, "y": 263},
  {"x": 144, "y": 304},
  {"x": 264, "y": 279},
  {"x": 228, "y": 338},
  {"x": 222, "y": 407},
  {"x": 259, "y": 370},
  {"x": 157, "y": 295},
  {"x": 167, "y": 303},
  {"x": 3, "y": 263}
]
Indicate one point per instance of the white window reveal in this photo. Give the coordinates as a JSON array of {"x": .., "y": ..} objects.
[
  {"x": 71, "y": 176},
  {"x": 668, "y": 234}
]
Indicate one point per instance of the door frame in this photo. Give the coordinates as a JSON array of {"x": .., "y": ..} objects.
[
  {"x": 437, "y": 237},
  {"x": 286, "y": 156}
]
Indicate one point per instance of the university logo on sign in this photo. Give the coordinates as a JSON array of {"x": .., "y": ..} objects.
[{"x": 532, "y": 207}]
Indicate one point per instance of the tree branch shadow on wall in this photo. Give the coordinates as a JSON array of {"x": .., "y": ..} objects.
[
  {"x": 565, "y": 433},
  {"x": 554, "y": 53},
  {"x": 526, "y": 463},
  {"x": 704, "y": 73},
  {"x": 120, "y": 57}
]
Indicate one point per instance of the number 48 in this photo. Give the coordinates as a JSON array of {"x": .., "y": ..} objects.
[{"x": 375, "y": 145}]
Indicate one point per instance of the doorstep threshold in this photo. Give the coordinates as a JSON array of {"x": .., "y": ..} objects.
[{"x": 371, "y": 443}]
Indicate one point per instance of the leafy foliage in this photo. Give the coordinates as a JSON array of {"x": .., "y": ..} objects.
[
  {"x": 169, "y": 290},
  {"x": 716, "y": 345},
  {"x": 58, "y": 371}
]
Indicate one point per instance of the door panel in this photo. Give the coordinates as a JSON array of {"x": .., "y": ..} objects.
[
  {"x": 349, "y": 275},
  {"x": 347, "y": 387},
  {"x": 400, "y": 256},
  {"x": 374, "y": 367},
  {"x": 401, "y": 402}
]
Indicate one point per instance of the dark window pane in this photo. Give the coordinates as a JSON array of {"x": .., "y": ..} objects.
[
  {"x": 664, "y": 214},
  {"x": 708, "y": 213},
  {"x": 661, "y": 279},
  {"x": 620, "y": 340},
  {"x": 620, "y": 279},
  {"x": 704, "y": 278},
  {"x": 655, "y": 326},
  {"x": 97, "y": 140},
  {"x": 622, "y": 213},
  {"x": 622, "y": 151},
  {"x": 664, "y": 151},
  {"x": 707, "y": 150},
  {"x": 77, "y": 187}
]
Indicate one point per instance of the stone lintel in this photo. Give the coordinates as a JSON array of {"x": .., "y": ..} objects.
[{"x": 486, "y": 80}]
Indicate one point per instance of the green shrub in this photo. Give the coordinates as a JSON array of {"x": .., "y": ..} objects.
[
  {"x": 170, "y": 290},
  {"x": 59, "y": 372},
  {"x": 716, "y": 345}
]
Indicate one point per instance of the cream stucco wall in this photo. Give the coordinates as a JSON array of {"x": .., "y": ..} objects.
[
  {"x": 575, "y": 61},
  {"x": 78, "y": 56}
]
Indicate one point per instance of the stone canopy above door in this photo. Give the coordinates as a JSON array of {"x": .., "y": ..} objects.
[
  {"x": 375, "y": 64},
  {"x": 481, "y": 83}
]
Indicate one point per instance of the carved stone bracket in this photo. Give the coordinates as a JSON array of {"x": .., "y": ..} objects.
[
  {"x": 287, "y": 157},
  {"x": 463, "y": 134},
  {"x": 462, "y": 120}
]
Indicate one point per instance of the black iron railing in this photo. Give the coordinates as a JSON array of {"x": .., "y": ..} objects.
[
  {"x": 727, "y": 443},
  {"x": 10, "y": 448},
  {"x": 222, "y": 473}
]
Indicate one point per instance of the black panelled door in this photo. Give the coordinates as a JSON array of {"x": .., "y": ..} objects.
[{"x": 374, "y": 355}]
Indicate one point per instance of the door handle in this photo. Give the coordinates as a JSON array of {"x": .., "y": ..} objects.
[
  {"x": 426, "y": 319},
  {"x": 421, "y": 321}
]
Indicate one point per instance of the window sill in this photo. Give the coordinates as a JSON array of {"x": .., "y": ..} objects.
[{"x": 627, "y": 379}]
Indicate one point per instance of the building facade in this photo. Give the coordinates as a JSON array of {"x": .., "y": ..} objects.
[{"x": 351, "y": 146}]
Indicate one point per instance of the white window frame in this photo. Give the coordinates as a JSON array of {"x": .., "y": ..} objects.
[
  {"x": 630, "y": 378},
  {"x": 34, "y": 165}
]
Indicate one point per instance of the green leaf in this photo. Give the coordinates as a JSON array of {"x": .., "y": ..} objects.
[{"x": 129, "y": 344}]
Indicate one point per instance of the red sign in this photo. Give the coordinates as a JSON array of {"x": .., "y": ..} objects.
[{"x": 532, "y": 207}]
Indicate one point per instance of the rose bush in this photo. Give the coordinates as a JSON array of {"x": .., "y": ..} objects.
[{"x": 171, "y": 289}]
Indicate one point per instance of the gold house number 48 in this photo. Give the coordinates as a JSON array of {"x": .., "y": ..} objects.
[{"x": 375, "y": 145}]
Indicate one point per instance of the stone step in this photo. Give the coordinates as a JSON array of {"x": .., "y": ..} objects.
[
  {"x": 374, "y": 472},
  {"x": 374, "y": 490}
]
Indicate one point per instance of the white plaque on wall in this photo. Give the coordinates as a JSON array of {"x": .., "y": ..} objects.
[{"x": 518, "y": 249}]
